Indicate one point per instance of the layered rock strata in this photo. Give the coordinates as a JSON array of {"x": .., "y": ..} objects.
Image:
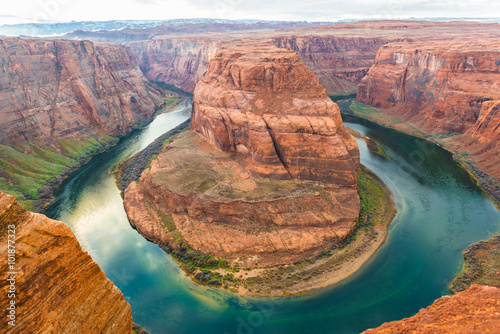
[
  {"x": 58, "y": 287},
  {"x": 269, "y": 173}
]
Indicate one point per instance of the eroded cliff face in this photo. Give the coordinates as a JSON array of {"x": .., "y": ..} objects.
[
  {"x": 58, "y": 89},
  {"x": 438, "y": 86},
  {"x": 267, "y": 176},
  {"x": 59, "y": 288},
  {"x": 475, "y": 310},
  {"x": 60, "y": 101},
  {"x": 178, "y": 61},
  {"x": 444, "y": 88}
]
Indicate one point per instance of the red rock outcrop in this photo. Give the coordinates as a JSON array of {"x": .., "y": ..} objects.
[
  {"x": 281, "y": 185},
  {"x": 437, "y": 86},
  {"x": 475, "y": 310},
  {"x": 268, "y": 105},
  {"x": 58, "y": 287},
  {"x": 339, "y": 55}
]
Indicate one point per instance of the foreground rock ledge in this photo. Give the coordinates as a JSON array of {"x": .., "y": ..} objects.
[
  {"x": 267, "y": 176},
  {"x": 60, "y": 289},
  {"x": 475, "y": 310}
]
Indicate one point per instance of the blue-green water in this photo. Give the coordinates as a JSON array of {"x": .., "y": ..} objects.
[{"x": 440, "y": 212}]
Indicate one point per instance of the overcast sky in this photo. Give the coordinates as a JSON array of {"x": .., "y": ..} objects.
[{"x": 309, "y": 10}]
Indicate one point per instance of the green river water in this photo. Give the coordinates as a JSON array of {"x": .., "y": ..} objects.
[{"x": 440, "y": 212}]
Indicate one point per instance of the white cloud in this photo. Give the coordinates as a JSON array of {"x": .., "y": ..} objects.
[{"x": 66, "y": 10}]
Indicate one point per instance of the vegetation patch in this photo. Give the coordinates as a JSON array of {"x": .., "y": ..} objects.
[
  {"x": 482, "y": 261},
  {"x": 27, "y": 168}
]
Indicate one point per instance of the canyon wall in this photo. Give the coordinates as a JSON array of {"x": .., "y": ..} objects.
[
  {"x": 178, "y": 61},
  {"x": 447, "y": 88},
  {"x": 475, "y": 310},
  {"x": 58, "y": 287},
  {"x": 62, "y": 100},
  {"x": 339, "y": 55},
  {"x": 338, "y": 62},
  {"x": 268, "y": 174}
]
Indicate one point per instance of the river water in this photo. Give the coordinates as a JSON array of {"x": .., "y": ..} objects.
[{"x": 440, "y": 212}]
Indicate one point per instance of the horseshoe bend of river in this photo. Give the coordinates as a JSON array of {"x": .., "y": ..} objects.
[{"x": 441, "y": 211}]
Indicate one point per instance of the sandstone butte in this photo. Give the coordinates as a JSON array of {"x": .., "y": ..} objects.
[
  {"x": 475, "y": 310},
  {"x": 447, "y": 88},
  {"x": 59, "y": 288},
  {"x": 61, "y": 100},
  {"x": 268, "y": 173}
]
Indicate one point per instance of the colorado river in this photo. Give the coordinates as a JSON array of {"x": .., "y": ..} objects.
[{"x": 440, "y": 212}]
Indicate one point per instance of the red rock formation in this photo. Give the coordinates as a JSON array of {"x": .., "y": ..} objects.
[
  {"x": 268, "y": 105},
  {"x": 59, "y": 288},
  {"x": 482, "y": 140},
  {"x": 339, "y": 55},
  {"x": 273, "y": 125},
  {"x": 475, "y": 310}
]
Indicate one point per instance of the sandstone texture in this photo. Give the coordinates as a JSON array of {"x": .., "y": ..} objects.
[
  {"x": 447, "y": 88},
  {"x": 59, "y": 288},
  {"x": 338, "y": 62},
  {"x": 475, "y": 310},
  {"x": 268, "y": 174}
]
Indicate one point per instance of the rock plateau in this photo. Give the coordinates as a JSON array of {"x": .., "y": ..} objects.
[{"x": 267, "y": 175}]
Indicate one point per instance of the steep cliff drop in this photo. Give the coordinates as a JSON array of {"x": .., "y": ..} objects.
[
  {"x": 61, "y": 101},
  {"x": 267, "y": 176},
  {"x": 475, "y": 310},
  {"x": 447, "y": 92},
  {"x": 57, "y": 286}
]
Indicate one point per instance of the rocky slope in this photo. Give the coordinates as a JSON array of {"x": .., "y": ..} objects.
[
  {"x": 281, "y": 185},
  {"x": 475, "y": 310},
  {"x": 442, "y": 88},
  {"x": 58, "y": 287},
  {"x": 60, "y": 101}
]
